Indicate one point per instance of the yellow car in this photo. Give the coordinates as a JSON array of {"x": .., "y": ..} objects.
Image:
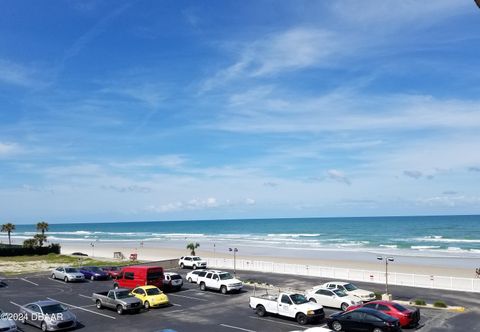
[{"x": 150, "y": 296}]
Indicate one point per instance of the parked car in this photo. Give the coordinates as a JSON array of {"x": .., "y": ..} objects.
[
  {"x": 79, "y": 254},
  {"x": 194, "y": 262},
  {"x": 140, "y": 275},
  {"x": 7, "y": 324},
  {"x": 67, "y": 274},
  {"x": 192, "y": 276},
  {"x": 334, "y": 297},
  {"x": 291, "y": 305},
  {"x": 112, "y": 271},
  {"x": 363, "y": 319},
  {"x": 93, "y": 273},
  {"x": 172, "y": 281},
  {"x": 222, "y": 281},
  {"x": 150, "y": 296},
  {"x": 407, "y": 317},
  {"x": 351, "y": 289},
  {"x": 119, "y": 299},
  {"x": 48, "y": 315}
]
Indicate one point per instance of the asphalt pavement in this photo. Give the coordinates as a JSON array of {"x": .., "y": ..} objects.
[{"x": 194, "y": 310}]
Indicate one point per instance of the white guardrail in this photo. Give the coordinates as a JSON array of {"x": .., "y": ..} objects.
[{"x": 394, "y": 278}]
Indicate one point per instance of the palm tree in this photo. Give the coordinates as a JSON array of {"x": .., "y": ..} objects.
[
  {"x": 40, "y": 238},
  {"x": 192, "y": 246},
  {"x": 9, "y": 228},
  {"x": 42, "y": 226}
]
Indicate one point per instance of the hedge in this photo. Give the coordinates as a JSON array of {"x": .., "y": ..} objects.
[{"x": 22, "y": 251}]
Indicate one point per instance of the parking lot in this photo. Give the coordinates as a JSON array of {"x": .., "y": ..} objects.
[{"x": 194, "y": 310}]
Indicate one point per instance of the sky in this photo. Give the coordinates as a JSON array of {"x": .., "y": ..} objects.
[{"x": 174, "y": 110}]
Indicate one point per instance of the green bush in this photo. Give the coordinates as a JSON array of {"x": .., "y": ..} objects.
[
  {"x": 53, "y": 248},
  {"x": 439, "y": 304},
  {"x": 378, "y": 295},
  {"x": 419, "y": 302}
]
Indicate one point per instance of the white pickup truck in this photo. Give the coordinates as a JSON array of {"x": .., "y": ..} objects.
[{"x": 289, "y": 305}]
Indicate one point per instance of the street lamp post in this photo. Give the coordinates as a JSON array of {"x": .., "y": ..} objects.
[
  {"x": 93, "y": 248},
  {"x": 386, "y": 259},
  {"x": 235, "y": 250}
]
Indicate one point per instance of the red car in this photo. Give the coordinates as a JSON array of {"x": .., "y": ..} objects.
[
  {"x": 113, "y": 271},
  {"x": 407, "y": 317}
]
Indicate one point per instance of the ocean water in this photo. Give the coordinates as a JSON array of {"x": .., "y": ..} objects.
[{"x": 449, "y": 236}]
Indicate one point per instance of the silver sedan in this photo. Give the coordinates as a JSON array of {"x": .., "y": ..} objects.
[
  {"x": 67, "y": 274},
  {"x": 48, "y": 315}
]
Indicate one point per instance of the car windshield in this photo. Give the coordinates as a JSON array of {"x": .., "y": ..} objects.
[
  {"x": 350, "y": 287},
  {"x": 197, "y": 259},
  {"x": 340, "y": 293},
  {"x": 298, "y": 298},
  {"x": 113, "y": 268},
  {"x": 154, "y": 291},
  {"x": 70, "y": 270},
  {"x": 176, "y": 276},
  {"x": 225, "y": 276},
  {"x": 53, "y": 308},
  {"x": 123, "y": 294},
  {"x": 399, "y": 307},
  {"x": 96, "y": 269}
]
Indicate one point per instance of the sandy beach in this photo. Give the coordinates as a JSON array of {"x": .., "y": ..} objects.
[{"x": 367, "y": 261}]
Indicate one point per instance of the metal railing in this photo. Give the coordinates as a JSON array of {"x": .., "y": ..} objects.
[{"x": 394, "y": 278}]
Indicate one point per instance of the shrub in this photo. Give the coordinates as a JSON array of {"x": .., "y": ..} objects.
[
  {"x": 439, "y": 304},
  {"x": 23, "y": 251},
  {"x": 419, "y": 302},
  {"x": 378, "y": 295}
]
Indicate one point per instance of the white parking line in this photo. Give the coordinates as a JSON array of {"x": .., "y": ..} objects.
[
  {"x": 176, "y": 305},
  {"x": 237, "y": 328},
  {"x": 85, "y": 296},
  {"x": 74, "y": 306},
  {"x": 31, "y": 282},
  {"x": 274, "y": 321},
  {"x": 189, "y": 297},
  {"x": 18, "y": 305}
]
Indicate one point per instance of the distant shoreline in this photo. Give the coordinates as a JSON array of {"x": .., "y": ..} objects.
[{"x": 361, "y": 261}]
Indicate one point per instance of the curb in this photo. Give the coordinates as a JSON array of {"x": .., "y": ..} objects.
[{"x": 430, "y": 306}]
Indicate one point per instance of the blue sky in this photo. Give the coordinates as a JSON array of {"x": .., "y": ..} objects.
[{"x": 160, "y": 110}]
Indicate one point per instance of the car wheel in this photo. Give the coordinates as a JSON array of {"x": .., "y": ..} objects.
[
  {"x": 313, "y": 300},
  {"x": 336, "y": 326},
  {"x": 182, "y": 266},
  {"x": 261, "y": 312},
  {"x": 202, "y": 286},
  {"x": 344, "y": 306},
  {"x": 146, "y": 305},
  {"x": 190, "y": 280},
  {"x": 53, "y": 276},
  {"x": 43, "y": 326},
  {"x": 115, "y": 286},
  {"x": 194, "y": 267},
  {"x": 301, "y": 318},
  {"x": 65, "y": 279},
  {"x": 377, "y": 329},
  {"x": 119, "y": 310},
  {"x": 98, "y": 303},
  {"x": 92, "y": 278},
  {"x": 223, "y": 290}
]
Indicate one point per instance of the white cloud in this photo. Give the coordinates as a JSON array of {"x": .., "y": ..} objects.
[
  {"x": 16, "y": 74},
  {"x": 7, "y": 149},
  {"x": 338, "y": 176}
]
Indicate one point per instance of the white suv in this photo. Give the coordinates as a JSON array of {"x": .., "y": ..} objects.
[
  {"x": 194, "y": 262},
  {"x": 218, "y": 280}
]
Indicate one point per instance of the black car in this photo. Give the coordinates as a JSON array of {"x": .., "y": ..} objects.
[{"x": 363, "y": 319}]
